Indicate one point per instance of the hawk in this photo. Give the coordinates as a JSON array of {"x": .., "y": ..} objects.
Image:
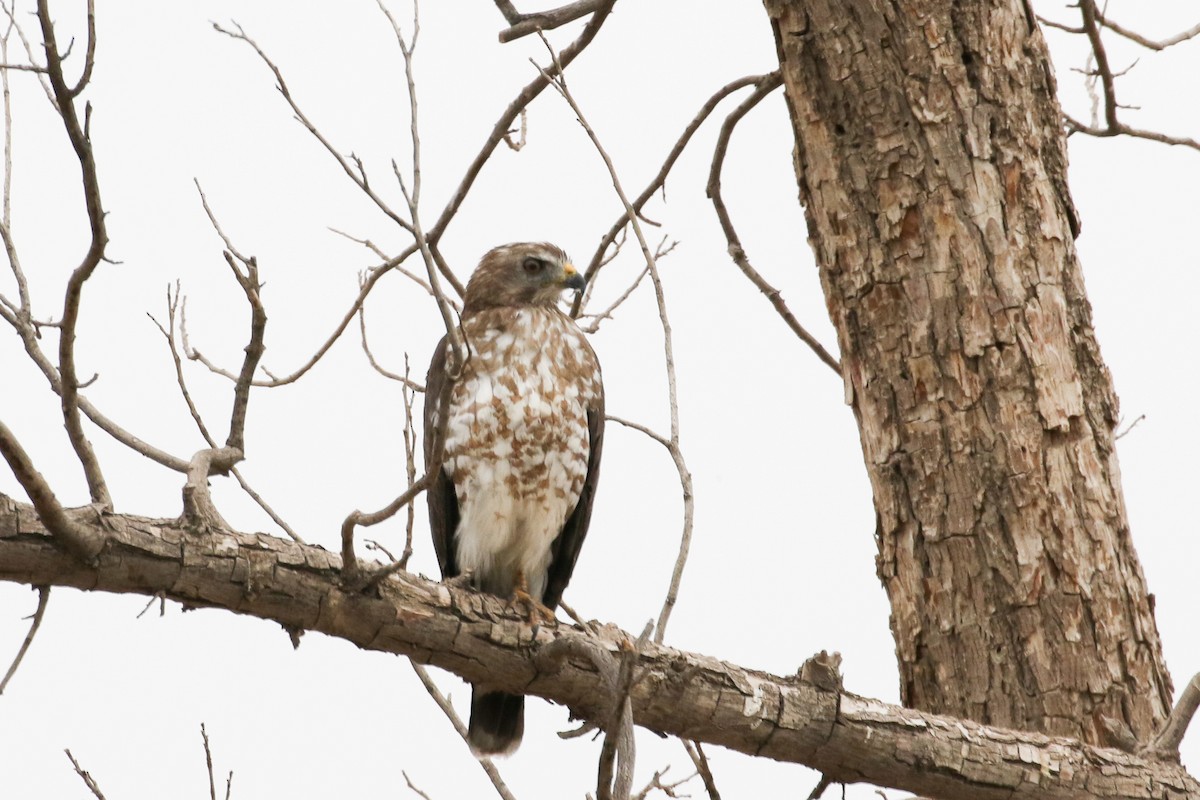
[{"x": 524, "y": 425}]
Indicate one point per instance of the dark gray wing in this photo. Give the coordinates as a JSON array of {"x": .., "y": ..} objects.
[
  {"x": 443, "y": 502},
  {"x": 568, "y": 544}
]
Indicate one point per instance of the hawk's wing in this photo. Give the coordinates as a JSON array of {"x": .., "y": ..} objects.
[
  {"x": 443, "y": 502},
  {"x": 566, "y": 547}
]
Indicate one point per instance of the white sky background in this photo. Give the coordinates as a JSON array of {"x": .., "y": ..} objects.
[{"x": 783, "y": 557}]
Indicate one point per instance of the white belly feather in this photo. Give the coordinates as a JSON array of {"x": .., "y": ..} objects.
[{"x": 517, "y": 443}]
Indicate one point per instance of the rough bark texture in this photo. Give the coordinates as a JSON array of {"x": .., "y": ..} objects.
[
  {"x": 931, "y": 164},
  {"x": 847, "y": 737}
]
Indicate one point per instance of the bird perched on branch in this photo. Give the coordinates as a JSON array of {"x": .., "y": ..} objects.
[{"x": 524, "y": 423}]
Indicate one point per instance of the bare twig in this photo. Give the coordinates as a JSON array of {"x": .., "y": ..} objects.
[
  {"x": 1121, "y": 129},
  {"x": 519, "y": 143},
  {"x": 88, "y": 780},
  {"x": 22, "y": 67},
  {"x": 656, "y": 783},
  {"x": 413, "y": 786},
  {"x": 73, "y": 295},
  {"x": 1121, "y": 434},
  {"x": 1149, "y": 44},
  {"x": 659, "y": 180},
  {"x": 485, "y": 763},
  {"x": 409, "y": 384},
  {"x": 40, "y": 71},
  {"x": 43, "y": 599},
  {"x": 410, "y": 462},
  {"x": 212, "y": 784},
  {"x": 374, "y": 248},
  {"x": 351, "y": 164},
  {"x": 695, "y": 752},
  {"x": 1092, "y": 22},
  {"x": 767, "y": 85}
]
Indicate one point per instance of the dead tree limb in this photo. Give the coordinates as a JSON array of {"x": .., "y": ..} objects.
[{"x": 699, "y": 697}]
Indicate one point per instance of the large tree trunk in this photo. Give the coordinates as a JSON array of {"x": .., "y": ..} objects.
[{"x": 931, "y": 164}]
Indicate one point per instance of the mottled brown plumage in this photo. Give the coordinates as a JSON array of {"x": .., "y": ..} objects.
[{"x": 524, "y": 428}]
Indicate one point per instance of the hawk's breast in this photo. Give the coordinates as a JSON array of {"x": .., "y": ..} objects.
[{"x": 517, "y": 441}]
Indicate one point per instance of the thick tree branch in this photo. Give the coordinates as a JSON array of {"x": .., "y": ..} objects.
[
  {"x": 847, "y": 737},
  {"x": 83, "y": 541}
]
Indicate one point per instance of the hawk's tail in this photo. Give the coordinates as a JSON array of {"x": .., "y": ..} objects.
[{"x": 497, "y": 722}]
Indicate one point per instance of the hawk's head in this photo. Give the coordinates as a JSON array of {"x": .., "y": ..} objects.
[{"x": 521, "y": 274}]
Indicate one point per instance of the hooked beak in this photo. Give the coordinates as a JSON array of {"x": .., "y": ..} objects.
[{"x": 572, "y": 279}]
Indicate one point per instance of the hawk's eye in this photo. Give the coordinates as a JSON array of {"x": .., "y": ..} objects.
[{"x": 533, "y": 266}]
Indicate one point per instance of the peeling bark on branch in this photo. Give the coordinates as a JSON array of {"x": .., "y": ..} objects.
[
  {"x": 932, "y": 168},
  {"x": 848, "y": 738}
]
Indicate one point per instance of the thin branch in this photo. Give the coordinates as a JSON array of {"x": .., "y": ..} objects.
[
  {"x": 485, "y": 763},
  {"x": 43, "y": 599},
  {"x": 413, "y": 786},
  {"x": 251, "y": 286},
  {"x": 408, "y": 395},
  {"x": 89, "y": 59},
  {"x": 502, "y": 126},
  {"x": 1121, "y": 434},
  {"x": 558, "y": 81},
  {"x": 73, "y": 295},
  {"x": 768, "y": 84},
  {"x": 1092, "y": 21},
  {"x": 695, "y": 752},
  {"x": 1058, "y": 25},
  {"x": 1149, "y": 44},
  {"x": 270, "y": 512},
  {"x": 168, "y": 333},
  {"x": 83, "y": 542},
  {"x": 88, "y": 780},
  {"x": 525, "y": 24},
  {"x": 660, "y": 179},
  {"x": 1121, "y": 129},
  {"x": 607, "y": 313},
  {"x": 212, "y": 784},
  {"x": 499, "y": 131},
  {"x": 1087, "y": 8},
  {"x": 351, "y": 165},
  {"x": 412, "y": 276},
  {"x": 41, "y": 72},
  {"x": 409, "y": 384},
  {"x": 350, "y": 569},
  {"x": 1166, "y": 744}
]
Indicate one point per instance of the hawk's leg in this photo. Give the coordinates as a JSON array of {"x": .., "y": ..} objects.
[
  {"x": 463, "y": 580},
  {"x": 536, "y": 612}
]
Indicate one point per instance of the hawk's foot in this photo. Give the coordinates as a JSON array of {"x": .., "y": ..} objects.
[
  {"x": 461, "y": 581},
  {"x": 535, "y": 611}
]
